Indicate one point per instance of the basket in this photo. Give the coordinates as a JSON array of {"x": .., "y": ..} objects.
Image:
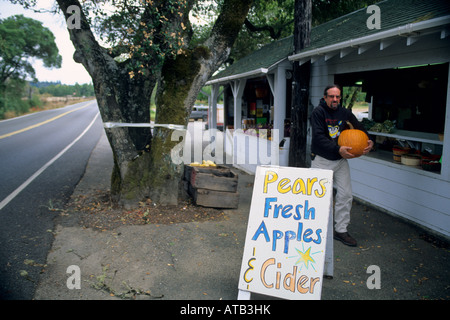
[
  {"x": 431, "y": 162},
  {"x": 411, "y": 159},
  {"x": 398, "y": 151}
]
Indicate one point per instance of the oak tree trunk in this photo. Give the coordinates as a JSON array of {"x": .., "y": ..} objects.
[{"x": 142, "y": 162}]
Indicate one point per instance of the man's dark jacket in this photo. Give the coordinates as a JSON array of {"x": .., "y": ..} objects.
[{"x": 327, "y": 124}]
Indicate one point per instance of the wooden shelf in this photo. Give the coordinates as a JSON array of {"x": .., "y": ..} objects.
[
  {"x": 417, "y": 136},
  {"x": 387, "y": 157}
]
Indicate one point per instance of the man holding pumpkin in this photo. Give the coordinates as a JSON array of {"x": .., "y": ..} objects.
[{"x": 328, "y": 121}]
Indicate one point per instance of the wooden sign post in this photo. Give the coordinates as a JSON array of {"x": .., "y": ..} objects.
[{"x": 287, "y": 233}]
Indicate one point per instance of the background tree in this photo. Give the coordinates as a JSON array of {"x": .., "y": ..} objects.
[
  {"x": 57, "y": 89},
  {"x": 22, "y": 39}
]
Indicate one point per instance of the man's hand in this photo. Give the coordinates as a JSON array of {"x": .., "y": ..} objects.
[
  {"x": 345, "y": 152},
  {"x": 369, "y": 147}
]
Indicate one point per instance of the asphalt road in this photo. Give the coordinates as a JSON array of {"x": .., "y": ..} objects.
[{"x": 42, "y": 158}]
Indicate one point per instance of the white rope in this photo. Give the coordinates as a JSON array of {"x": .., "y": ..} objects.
[{"x": 110, "y": 125}]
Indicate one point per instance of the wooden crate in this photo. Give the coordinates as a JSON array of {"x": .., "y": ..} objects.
[
  {"x": 214, "y": 187},
  {"x": 215, "y": 199},
  {"x": 214, "y": 178}
]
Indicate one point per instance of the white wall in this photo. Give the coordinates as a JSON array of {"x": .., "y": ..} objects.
[{"x": 411, "y": 194}]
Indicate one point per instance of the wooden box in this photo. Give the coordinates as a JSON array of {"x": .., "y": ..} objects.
[{"x": 214, "y": 187}]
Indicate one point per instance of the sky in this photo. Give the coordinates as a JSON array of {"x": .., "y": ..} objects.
[{"x": 70, "y": 71}]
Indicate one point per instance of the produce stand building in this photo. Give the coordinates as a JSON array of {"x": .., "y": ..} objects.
[{"x": 402, "y": 69}]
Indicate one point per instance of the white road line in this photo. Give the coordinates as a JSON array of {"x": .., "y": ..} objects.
[{"x": 42, "y": 169}]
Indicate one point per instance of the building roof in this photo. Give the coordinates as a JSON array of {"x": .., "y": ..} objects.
[
  {"x": 393, "y": 13},
  {"x": 258, "y": 62},
  {"x": 398, "y": 18}
]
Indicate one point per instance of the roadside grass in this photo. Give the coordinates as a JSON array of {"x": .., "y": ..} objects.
[{"x": 46, "y": 105}]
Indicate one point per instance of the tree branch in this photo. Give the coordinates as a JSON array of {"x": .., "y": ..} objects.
[
  {"x": 226, "y": 28},
  {"x": 87, "y": 49},
  {"x": 251, "y": 27}
]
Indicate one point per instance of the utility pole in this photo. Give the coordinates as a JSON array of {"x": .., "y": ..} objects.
[{"x": 300, "y": 86}]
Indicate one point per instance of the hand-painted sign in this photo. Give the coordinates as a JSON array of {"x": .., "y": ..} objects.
[{"x": 286, "y": 233}]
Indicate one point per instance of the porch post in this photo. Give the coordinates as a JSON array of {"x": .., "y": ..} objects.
[
  {"x": 212, "y": 119},
  {"x": 445, "y": 171},
  {"x": 279, "y": 101},
  {"x": 237, "y": 87}
]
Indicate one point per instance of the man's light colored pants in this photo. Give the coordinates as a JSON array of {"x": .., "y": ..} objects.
[{"x": 342, "y": 183}]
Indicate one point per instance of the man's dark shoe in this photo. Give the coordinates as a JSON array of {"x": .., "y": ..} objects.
[{"x": 345, "y": 238}]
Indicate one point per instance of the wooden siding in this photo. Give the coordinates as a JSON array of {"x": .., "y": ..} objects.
[{"x": 417, "y": 197}]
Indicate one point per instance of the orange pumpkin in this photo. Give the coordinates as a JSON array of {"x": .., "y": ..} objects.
[{"x": 354, "y": 138}]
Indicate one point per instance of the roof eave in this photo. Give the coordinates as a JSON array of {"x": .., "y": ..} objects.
[
  {"x": 248, "y": 74},
  {"x": 399, "y": 31}
]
